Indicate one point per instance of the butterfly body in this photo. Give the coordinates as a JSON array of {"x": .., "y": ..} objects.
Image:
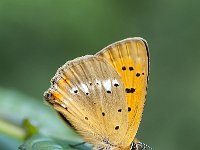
[{"x": 102, "y": 96}]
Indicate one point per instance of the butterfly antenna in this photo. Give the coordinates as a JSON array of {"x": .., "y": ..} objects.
[{"x": 145, "y": 146}]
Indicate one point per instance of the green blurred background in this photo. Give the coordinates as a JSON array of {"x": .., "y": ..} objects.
[{"x": 37, "y": 37}]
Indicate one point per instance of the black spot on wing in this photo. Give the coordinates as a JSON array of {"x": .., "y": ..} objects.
[
  {"x": 123, "y": 68},
  {"x": 109, "y": 92},
  {"x": 119, "y": 110},
  {"x": 75, "y": 91},
  {"x": 129, "y": 109},
  {"x": 130, "y": 90},
  {"x": 137, "y": 74},
  {"x": 131, "y": 68},
  {"x": 116, "y": 84}
]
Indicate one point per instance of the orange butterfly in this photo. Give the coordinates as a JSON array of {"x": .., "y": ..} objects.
[{"x": 102, "y": 96}]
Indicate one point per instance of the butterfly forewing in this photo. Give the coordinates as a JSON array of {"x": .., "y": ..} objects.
[
  {"x": 89, "y": 93},
  {"x": 130, "y": 59}
]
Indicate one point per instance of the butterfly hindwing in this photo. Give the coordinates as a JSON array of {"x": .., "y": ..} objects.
[{"x": 90, "y": 94}]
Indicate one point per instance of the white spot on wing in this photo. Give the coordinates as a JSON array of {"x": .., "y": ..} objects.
[
  {"x": 98, "y": 82},
  {"x": 73, "y": 89},
  {"x": 63, "y": 105},
  {"x": 84, "y": 88},
  {"x": 56, "y": 101},
  {"x": 115, "y": 82},
  {"x": 107, "y": 85}
]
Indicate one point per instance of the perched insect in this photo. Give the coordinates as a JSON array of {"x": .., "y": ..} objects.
[{"x": 102, "y": 96}]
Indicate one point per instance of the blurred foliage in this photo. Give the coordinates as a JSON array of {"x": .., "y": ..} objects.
[
  {"x": 44, "y": 143},
  {"x": 30, "y": 129},
  {"x": 15, "y": 127},
  {"x": 37, "y": 37}
]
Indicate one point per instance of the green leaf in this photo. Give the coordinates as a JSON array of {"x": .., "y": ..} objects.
[
  {"x": 30, "y": 128},
  {"x": 43, "y": 143},
  {"x": 16, "y": 107},
  {"x": 8, "y": 143},
  {"x": 22, "y": 116}
]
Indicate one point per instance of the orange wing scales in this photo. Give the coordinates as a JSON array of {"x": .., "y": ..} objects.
[{"x": 130, "y": 59}]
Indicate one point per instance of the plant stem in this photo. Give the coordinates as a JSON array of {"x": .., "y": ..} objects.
[{"x": 12, "y": 130}]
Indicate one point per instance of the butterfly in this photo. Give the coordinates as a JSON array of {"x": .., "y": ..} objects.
[{"x": 102, "y": 96}]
